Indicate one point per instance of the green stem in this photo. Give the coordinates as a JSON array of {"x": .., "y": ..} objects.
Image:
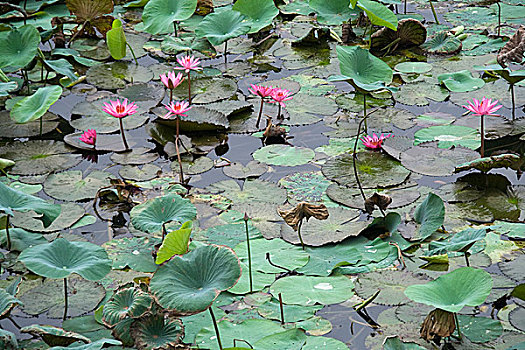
[
  {"x": 249, "y": 253},
  {"x": 260, "y": 113},
  {"x": 8, "y": 237},
  {"x": 65, "y": 299},
  {"x": 457, "y": 325},
  {"x": 482, "y": 137},
  {"x": 123, "y": 136},
  {"x": 299, "y": 233},
  {"x": 466, "y": 259},
  {"x": 354, "y": 156},
  {"x": 434, "y": 12},
  {"x": 364, "y": 112},
  {"x": 132, "y": 53},
  {"x": 175, "y": 29},
  {"x": 216, "y": 328},
  {"x": 189, "y": 88}
]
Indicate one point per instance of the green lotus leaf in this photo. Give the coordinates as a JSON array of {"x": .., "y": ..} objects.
[
  {"x": 511, "y": 229},
  {"x": 136, "y": 173},
  {"x": 173, "y": 46},
  {"x": 378, "y": 13},
  {"x": 7, "y": 302},
  {"x": 21, "y": 239},
  {"x": 33, "y": 107},
  {"x": 194, "y": 323},
  {"x": 419, "y": 93},
  {"x": 480, "y": 329},
  {"x": 175, "y": 243},
  {"x": 394, "y": 343},
  {"x": 443, "y": 43},
  {"x": 308, "y": 290},
  {"x": 127, "y": 302},
  {"x": 333, "y": 12},
  {"x": 157, "y": 332},
  {"x": 374, "y": 169},
  {"x": 105, "y": 143},
  {"x": 451, "y": 292},
  {"x": 190, "y": 283},
  {"x": 70, "y": 214},
  {"x": 430, "y": 215},
  {"x": 292, "y": 339},
  {"x": 61, "y": 66},
  {"x": 61, "y": 258},
  {"x": 318, "y": 343},
  {"x": 159, "y": 15},
  {"x": 361, "y": 66},
  {"x": 324, "y": 259},
  {"x": 135, "y": 252},
  {"x": 222, "y": 26},
  {"x": 413, "y": 67},
  {"x": 96, "y": 345},
  {"x": 117, "y": 75},
  {"x": 485, "y": 164},
  {"x": 461, "y": 81},
  {"x": 71, "y": 186},
  {"x": 8, "y": 340},
  {"x": 230, "y": 234},
  {"x": 298, "y": 7},
  {"x": 283, "y": 155},
  {"x": 294, "y": 313},
  {"x": 6, "y": 88},
  {"x": 116, "y": 40},
  {"x": 18, "y": 46},
  {"x": 448, "y": 136},
  {"x": 239, "y": 171},
  {"x": 459, "y": 242},
  {"x": 206, "y": 90},
  {"x": 54, "y": 335},
  {"x": 13, "y": 200},
  {"x": 260, "y": 281},
  {"x": 260, "y": 13},
  {"x": 153, "y": 214},
  {"x": 137, "y": 156}
]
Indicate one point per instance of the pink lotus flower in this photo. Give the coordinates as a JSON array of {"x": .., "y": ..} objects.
[
  {"x": 89, "y": 137},
  {"x": 188, "y": 63},
  {"x": 120, "y": 109},
  {"x": 262, "y": 91},
  {"x": 374, "y": 141},
  {"x": 171, "y": 81},
  {"x": 280, "y": 95},
  {"x": 177, "y": 108},
  {"x": 485, "y": 107}
]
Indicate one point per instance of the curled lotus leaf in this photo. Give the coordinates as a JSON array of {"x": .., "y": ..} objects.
[
  {"x": 410, "y": 32},
  {"x": 127, "y": 302},
  {"x": 443, "y": 44},
  {"x": 157, "y": 331},
  {"x": 7, "y": 302},
  {"x": 513, "y": 49},
  {"x": 485, "y": 164},
  {"x": 461, "y": 81},
  {"x": 189, "y": 284},
  {"x": 54, "y": 335}
]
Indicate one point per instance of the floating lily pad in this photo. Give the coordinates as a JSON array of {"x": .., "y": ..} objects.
[
  {"x": 374, "y": 169},
  {"x": 104, "y": 142},
  {"x": 480, "y": 329},
  {"x": 198, "y": 166},
  {"x": 436, "y": 161},
  {"x": 260, "y": 281},
  {"x": 443, "y": 44},
  {"x": 324, "y": 259},
  {"x": 308, "y": 290},
  {"x": 383, "y": 119},
  {"x": 198, "y": 119},
  {"x": 137, "y": 156},
  {"x": 413, "y": 67},
  {"x": 71, "y": 186},
  {"x": 54, "y": 335},
  {"x": 283, "y": 155},
  {"x": 70, "y": 214},
  {"x": 83, "y": 296},
  {"x": 419, "y": 93},
  {"x": 230, "y": 234},
  {"x": 253, "y": 191},
  {"x": 239, "y": 171},
  {"x": 516, "y": 318},
  {"x": 37, "y": 157},
  {"x": 206, "y": 90},
  {"x": 461, "y": 81},
  {"x": 135, "y": 252},
  {"x": 136, "y": 173},
  {"x": 309, "y": 187},
  {"x": 339, "y": 225},
  {"x": 116, "y": 75},
  {"x": 300, "y": 112},
  {"x": 12, "y": 130},
  {"x": 449, "y": 136}
]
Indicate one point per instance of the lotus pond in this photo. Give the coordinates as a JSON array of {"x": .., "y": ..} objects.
[{"x": 259, "y": 174}]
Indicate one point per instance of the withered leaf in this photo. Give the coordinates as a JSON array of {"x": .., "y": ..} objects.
[
  {"x": 381, "y": 200},
  {"x": 513, "y": 49},
  {"x": 438, "y": 324},
  {"x": 303, "y": 210}
]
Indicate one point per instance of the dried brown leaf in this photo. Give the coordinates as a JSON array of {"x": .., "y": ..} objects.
[
  {"x": 438, "y": 324},
  {"x": 303, "y": 210},
  {"x": 382, "y": 201},
  {"x": 514, "y": 49}
]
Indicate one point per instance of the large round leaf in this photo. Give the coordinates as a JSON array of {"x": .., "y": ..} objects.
[
  {"x": 260, "y": 13},
  {"x": 190, "y": 283},
  {"x": 448, "y": 136},
  {"x": 332, "y": 12},
  {"x": 361, "y": 66},
  {"x": 18, "y": 46},
  {"x": 61, "y": 258},
  {"x": 461, "y": 81},
  {"x": 151, "y": 215},
  {"x": 221, "y": 26},
  {"x": 465, "y": 286},
  {"x": 283, "y": 155},
  {"x": 378, "y": 14},
  {"x": 459, "y": 242},
  {"x": 159, "y": 15},
  {"x": 33, "y": 107}
]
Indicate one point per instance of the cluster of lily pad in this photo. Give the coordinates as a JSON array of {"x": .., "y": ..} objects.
[{"x": 268, "y": 261}]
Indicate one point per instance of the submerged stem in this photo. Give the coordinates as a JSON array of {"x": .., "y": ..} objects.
[
  {"x": 216, "y": 328},
  {"x": 299, "y": 233}
]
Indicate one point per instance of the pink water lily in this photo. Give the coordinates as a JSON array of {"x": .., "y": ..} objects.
[
  {"x": 280, "y": 95},
  {"x": 177, "y": 108},
  {"x": 119, "y": 109},
  {"x": 171, "y": 81},
  {"x": 261, "y": 91},
  {"x": 485, "y": 107},
  {"x": 374, "y": 141},
  {"x": 188, "y": 63},
  {"x": 89, "y": 137}
]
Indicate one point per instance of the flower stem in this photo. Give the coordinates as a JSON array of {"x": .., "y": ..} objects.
[
  {"x": 177, "y": 140},
  {"x": 279, "y": 111},
  {"x": 132, "y": 53},
  {"x": 65, "y": 299},
  {"x": 482, "y": 137},
  {"x": 260, "y": 113},
  {"x": 354, "y": 156},
  {"x": 216, "y": 328},
  {"x": 433, "y": 12},
  {"x": 123, "y": 136},
  {"x": 299, "y": 233},
  {"x": 282, "y": 308},
  {"x": 189, "y": 88},
  {"x": 249, "y": 253}
]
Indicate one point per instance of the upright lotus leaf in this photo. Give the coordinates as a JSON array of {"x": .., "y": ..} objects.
[
  {"x": 152, "y": 215},
  {"x": 61, "y": 258},
  {"x": 378, "y": 14},
  {"x": 18, "y": 46},
  {"x": 430, "y": 215},
  {"x": 260, "y": 13},
  {"x": 13, "y": 200},
  {"x": 221, "y": 26},
  {"x": 35, "y": 106},
  {"x": 116, "y": 40},
  {"x": 461, "y": 81},
  {"x": 159, "y": 15},
  {"x": 190, "y": 283},
  {"x": 7, "y": 302},
  {"x": 451, "y": 292},
  {"x": 157, "y": 331},
  {"x": 93, "y": 16},
  {"x": 442, "y": 43},
  {"x": 175, "y": 243},
  {"x": 333, "y": 12},
  {"x": 459, "y": 242},
  {"x": 127, "y": 302},
  {"x": 361, "y": 66}
]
